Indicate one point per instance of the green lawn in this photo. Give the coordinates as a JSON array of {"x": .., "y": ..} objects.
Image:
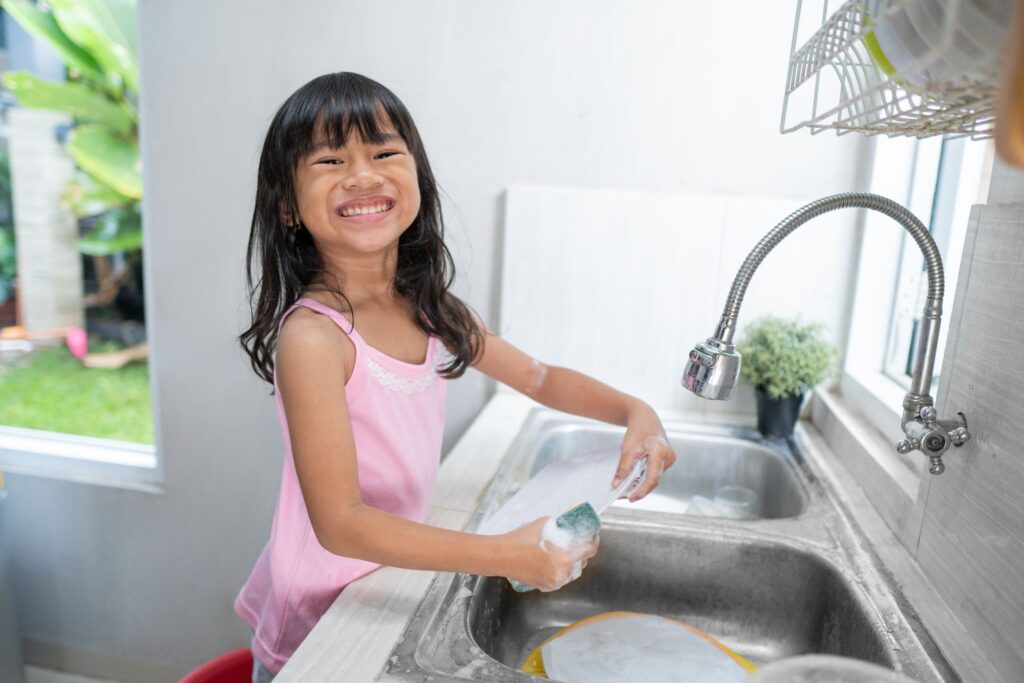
[{"x": 50, "y": 390}]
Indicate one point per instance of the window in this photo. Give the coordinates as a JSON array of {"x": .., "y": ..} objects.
[
  {"x": 938, "y": 180},
  {"x": 951, "y": 176},
  {"x": 75, "y": 397}
]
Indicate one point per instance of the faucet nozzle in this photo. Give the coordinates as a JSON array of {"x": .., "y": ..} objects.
[{"x": 712, "y": 370}]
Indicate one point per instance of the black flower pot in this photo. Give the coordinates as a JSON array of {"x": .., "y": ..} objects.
[{"x": 776, "y": 417}]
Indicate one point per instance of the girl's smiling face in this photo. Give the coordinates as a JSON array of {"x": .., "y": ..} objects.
[{"x": 359, "y": 197}]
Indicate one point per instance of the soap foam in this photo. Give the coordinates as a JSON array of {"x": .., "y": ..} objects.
[
  {"x": 557, "y": 536},
  {"x": 571, "y": 531}
]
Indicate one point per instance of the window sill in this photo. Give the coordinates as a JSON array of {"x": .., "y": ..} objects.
[
  {"x": 877, "y": 400},
  {"x": 82, "y": 459},
  {"x": 869, "y": 454},
  {"x": 878, "y": 396}
]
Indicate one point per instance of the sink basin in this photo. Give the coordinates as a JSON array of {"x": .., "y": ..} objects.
[
  {"x": 707, "y": 462},
  {"x": 765, "y": 600},
  {"x": 801, "y": 579}
]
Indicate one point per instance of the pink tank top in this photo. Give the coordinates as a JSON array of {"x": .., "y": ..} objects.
[{"x": 397, "y": 414}]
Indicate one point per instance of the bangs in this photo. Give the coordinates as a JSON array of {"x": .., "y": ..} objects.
[{"x": 336, "y": 107}]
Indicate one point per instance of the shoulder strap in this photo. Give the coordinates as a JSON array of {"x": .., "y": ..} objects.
[{"x": 342, "y": 322}]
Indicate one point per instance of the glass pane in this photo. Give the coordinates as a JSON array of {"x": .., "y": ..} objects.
[
  {"x": 73, "y": 354},
  {"x": 950, "y": 176}
]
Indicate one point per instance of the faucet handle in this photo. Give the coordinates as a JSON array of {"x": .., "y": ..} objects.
[
  {"x": 911, "y": 444},
  {"x": 933, "y": 436},
  {"x": 907, "y": 445},
  {"x": 959, "y": 434}
]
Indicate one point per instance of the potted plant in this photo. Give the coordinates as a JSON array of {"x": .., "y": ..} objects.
[{"x": 783, "y": 358}]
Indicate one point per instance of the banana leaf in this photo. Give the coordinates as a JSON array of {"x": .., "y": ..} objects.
[
  {"x": 109, "y": 159},
  {"x": 8, "y": 261},
  {"x": 86, "y": 196},
  {"x": 117, "y": 230},
  {"x": 81, "y": 102},
  {"x": 5, "y": 173},
  {"x": 42, "y": 25},
  {"x": 106, "y": 29},
  {"x": 7, "y": 250}
]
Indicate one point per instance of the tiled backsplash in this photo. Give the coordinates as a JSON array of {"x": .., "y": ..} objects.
[{"x": 620, "y": 285}]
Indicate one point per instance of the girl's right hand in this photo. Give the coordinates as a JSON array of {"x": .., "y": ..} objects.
[{"x": 544, "y": 565}]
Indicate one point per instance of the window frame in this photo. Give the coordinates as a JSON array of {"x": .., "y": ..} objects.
[
  {"x": 923, "y": 181},
  {"x": 87, "y": 459},
  {"x": 82, "y": 459}
]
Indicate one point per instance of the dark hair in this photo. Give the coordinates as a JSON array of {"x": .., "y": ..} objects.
[{"x": 335, "y": 105}]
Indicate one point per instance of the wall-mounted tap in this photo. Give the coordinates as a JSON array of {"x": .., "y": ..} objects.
[{"x": 714, "y": 364}]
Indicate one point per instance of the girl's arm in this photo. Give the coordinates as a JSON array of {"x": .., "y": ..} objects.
[
  {"x": 313, "y": 360},
  {"x": 573, "y": 392}
]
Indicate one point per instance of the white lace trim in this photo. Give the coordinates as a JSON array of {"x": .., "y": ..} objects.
[{"x": 395, "y": 382}]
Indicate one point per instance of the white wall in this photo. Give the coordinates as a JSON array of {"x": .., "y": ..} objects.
[
  {"x": 651, "y": 96},
  {"x": 622, "y": 284}
]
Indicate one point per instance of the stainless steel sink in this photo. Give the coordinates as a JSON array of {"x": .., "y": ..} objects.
[
  {"x": 709, "y": 460},
  {"x": 766, "y": 600},
  {"x": 800, "y": 580}
]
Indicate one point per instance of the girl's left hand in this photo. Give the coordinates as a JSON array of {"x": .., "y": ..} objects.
[{"x": 644, "y": 437}]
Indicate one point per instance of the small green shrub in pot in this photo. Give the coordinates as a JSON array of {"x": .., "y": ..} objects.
[{"x": 783, "y": 358}]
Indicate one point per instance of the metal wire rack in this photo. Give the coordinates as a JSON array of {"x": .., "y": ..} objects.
[{"x": 897, "y": 67}]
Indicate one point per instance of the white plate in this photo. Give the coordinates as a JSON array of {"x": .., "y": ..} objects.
[
  {"x": 562, "y": 485},
  {"x": 637, "y": 648}
]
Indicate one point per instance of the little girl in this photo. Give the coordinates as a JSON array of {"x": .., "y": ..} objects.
[{"x": 355, "y": 327}]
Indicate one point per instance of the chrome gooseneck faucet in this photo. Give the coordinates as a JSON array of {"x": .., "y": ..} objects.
[{"x": 713, "y": 366}]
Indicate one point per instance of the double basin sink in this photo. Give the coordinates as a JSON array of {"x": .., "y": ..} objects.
[{"x": 787, "y": 574}]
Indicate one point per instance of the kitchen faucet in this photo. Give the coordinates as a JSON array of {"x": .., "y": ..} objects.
[{"x": 714, "y": 364}]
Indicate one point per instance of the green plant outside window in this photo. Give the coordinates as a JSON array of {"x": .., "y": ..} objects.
[
  {"x": 96, "y": 40},
  {"x": 8, "y": 255}
]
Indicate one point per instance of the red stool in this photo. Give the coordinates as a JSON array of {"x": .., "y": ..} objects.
[{"x": 230, "y": 667}]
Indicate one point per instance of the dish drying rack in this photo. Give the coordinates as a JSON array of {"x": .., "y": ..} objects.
[{"x": 897, "y": 67}]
